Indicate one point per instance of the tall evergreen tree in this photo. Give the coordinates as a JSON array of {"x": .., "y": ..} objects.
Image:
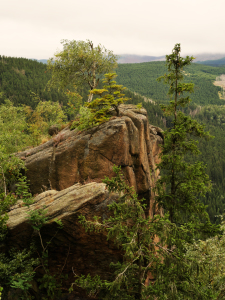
[
  {"x": 184, "y": 181},
  {"x": 179, "y": 189},
  {"x": 155, "y": 263}
]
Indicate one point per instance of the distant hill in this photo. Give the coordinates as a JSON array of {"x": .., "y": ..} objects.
[
  {"x": 207, "y": 56},
  {"x": 125, "y": 59},
  {"x": 213, "y": 63},
  {"x": 141, "y": 78},
  {"x": 44, "y": 61},
  {"x": 132, "y": 58},
  {"x": 206, "y": 107}
]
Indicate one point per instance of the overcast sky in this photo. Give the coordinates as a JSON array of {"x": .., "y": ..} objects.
[{"x": 34, "y": 29}]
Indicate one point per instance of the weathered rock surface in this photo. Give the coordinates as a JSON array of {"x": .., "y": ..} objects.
[
  {"x": 71, "y": 156},
  {"x": 68, "y": 172},
  {"x": 72, "y": 248}
]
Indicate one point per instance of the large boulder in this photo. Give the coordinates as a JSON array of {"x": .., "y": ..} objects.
[
  {"x": 73, "y": 156},
  {"x": 72, "y": 249},
  {"x": 67, "y": 173}
]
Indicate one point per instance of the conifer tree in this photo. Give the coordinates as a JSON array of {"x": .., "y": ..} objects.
[
  {"x": 179, "y": 189},
  {"x": 155, "y": 263},
  {"x": 98, "y": 111},
  {"x": 184, "y": 181}
]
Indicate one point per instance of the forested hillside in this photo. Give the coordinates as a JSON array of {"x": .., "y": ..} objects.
[
  {"x": 213, "y": 63},
  {"x": 141, "y": 78},
  {"x": 167, "y": 234},
  {"x": 20, "y": 77},
  {"x": 206, "y": 107}
]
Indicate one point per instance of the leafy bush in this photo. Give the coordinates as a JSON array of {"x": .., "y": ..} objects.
[{"x": 85, "y": 120}]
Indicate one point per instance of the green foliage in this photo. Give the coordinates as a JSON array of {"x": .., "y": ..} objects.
[
  {"x": 85, "y": 119},
  {"x": 9, "y": 172},
  {"x": 74, "y": 103},
  {"x": 39, "y": 120},
  {"x": 139, "y": 105},
  {"x": 19, "y": 77},
  {"x": 141, "y": 78},
  {"x": 37, "y": 218},
  {"x": 16, "y": 270},
  {"x": 212, "y": 153},
  {"x": 51, "y": 284},
  {"x": 210, "y": 255},
  {"x": 17, "y": 267},
  {"x": 131, "y": 231},
  {"x": 13, "y": 127},
  {"x": 144, "y": 242},
  {"x": 22, "y": 191},
  {"x": 79, "y": 63},
  {"x": 158, "y": 245},
  {"x": 111, "y": 96},
  {"x": 180, "y": 186},
  {"x": 184, "y": 181},
  {"x": 1, "y": 289},
  {"x": 98, "y": 111}
]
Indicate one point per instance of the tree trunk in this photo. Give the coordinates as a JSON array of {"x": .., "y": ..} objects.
[{"x": 90, "y": 97}]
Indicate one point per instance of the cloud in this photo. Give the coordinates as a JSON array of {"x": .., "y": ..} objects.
[{"x": 147, "y": 27}]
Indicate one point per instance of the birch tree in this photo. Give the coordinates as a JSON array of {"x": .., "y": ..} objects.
[{"x": 80, "y": 63}]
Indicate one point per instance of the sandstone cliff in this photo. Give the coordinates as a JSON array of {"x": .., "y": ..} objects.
[{"x": 67, "y": 171}]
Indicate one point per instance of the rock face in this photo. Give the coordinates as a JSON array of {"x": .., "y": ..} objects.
[
  {"x": 71, "y": 156},
  {"x": 67, "y": 171},
  {"x": 71, "y": 249}
]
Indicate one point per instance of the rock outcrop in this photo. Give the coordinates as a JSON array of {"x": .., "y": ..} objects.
[
  {"x": 68, "y": 172},
  {"x": 71, "y": 249},
  {"x": 72, "y": 156}
]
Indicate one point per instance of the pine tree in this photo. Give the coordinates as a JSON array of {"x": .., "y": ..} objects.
[
  {"x": 184, "y": 181},
  {"x": 179, "y": 190},
  {"x": 155, "y": 264}
]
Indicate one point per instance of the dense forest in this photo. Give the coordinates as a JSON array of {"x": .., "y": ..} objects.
[
  {"x": 206, "y": 107},
  {"x": 24, "y": 81},
  {"x": 21, "y": 78},
  {"x": 178, "y": 245},
  {"x": 141, "y": 78}
]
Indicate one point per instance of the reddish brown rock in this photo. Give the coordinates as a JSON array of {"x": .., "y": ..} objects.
[
  {"x": 66, "y": 167},
  {"x": 71, "y": 156}
]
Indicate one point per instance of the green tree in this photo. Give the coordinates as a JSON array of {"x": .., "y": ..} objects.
[
  {"x": 180, "y": 187},
  {"x": 156, "y": 248},
  {"x": 135, "y": 234},
  {"x": 80, "y": 63},
  {"x": 110, "y": 97},
  {"x": 184, "y": 181},
  {"x": 13, "y": 127},
  {"x": 98, "y": 111},
  {"x": 211, "y": 258},
  {"x": 39, "y": 120}
]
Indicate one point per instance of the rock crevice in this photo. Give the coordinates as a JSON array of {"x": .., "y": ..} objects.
[{"x": 126, "y": 141}]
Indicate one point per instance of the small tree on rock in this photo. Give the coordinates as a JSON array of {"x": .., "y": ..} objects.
[{"x": 98, "y": 111}]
